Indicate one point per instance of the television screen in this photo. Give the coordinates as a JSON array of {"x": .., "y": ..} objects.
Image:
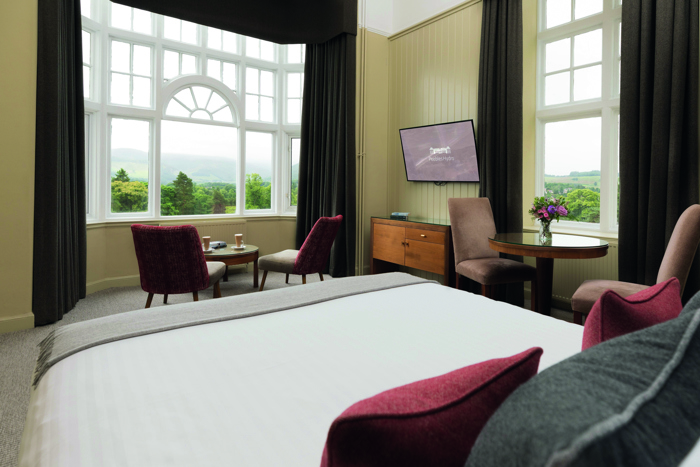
[{"x": 440, "y": 153}]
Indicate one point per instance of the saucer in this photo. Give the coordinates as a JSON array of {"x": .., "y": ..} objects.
[
  {"x": 207, "y": 251},
  {"x": 242, "y": 247}
]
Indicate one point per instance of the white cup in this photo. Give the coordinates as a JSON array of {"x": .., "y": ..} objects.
[{"x": 239, "y": 240}]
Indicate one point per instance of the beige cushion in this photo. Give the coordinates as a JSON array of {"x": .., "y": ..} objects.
[
  {"x": 590, "y": 292},
  {"x": 490, "y": 271},
  {"x": 216, "y": 271},
  {"x": 279, "y": 262}
]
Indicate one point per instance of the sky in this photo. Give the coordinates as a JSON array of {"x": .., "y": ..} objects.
[{"x": 572, "y": 145}]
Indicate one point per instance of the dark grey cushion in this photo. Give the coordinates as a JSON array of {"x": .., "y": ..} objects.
[{"x": 629, "y": 401}]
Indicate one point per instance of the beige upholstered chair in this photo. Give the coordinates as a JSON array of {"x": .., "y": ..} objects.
[
  {"x": 472, "y": 225},
  {"x": 676, "y": 263}
]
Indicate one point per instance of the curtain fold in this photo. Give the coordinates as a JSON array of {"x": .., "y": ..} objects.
[
  {"x": 59, "y": 189},
  {"x": 327, "y": 157},
  {"x": 658, "y": 132},
  {"x": 500, "y": 121},
  {"x": 280, "y": 21}
]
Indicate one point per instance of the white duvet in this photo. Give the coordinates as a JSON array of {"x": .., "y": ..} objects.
[{"x": 263, "y": 391}]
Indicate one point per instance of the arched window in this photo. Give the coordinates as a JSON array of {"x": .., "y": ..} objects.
[{"x": 200, "y": 103}]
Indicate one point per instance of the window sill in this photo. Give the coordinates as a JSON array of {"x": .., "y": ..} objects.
[
  {"x": 575, "y": 231},
  {"x": 95, "y": 224}
]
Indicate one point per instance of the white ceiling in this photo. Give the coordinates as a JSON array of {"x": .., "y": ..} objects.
[{"x": 391, "y": 16}]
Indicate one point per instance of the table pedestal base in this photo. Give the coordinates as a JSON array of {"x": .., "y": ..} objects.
[{"x": 545, "y": 275}]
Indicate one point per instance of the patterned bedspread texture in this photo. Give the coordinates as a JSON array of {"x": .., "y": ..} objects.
[{"x": 68, "y": 340}]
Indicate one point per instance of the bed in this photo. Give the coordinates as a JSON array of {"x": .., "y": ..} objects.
[{"x": 263, "y": 390}]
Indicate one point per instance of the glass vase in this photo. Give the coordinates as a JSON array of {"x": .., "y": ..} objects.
[{"x": 545, "y": 232}]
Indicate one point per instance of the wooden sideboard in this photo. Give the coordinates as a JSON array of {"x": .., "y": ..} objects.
[{"x": 414, "y": 244}]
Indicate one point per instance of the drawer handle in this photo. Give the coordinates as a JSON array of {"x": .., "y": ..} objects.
[{"x": 423, "y": 235}]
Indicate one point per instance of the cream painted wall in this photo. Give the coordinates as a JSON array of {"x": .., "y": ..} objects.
[
  {"x": 18, "y": 42},
  {"x": 410, "y": 12}
]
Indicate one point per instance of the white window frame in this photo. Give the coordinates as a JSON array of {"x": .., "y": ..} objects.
[
  {"x": 287, "y": 173},
  {"x": 101, "y": 113},
  {"x": 607, "y": 107}
]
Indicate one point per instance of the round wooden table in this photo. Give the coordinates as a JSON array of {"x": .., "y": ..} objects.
[
  {"x": 232, "y": 256},
  {"x": 562, "y": 246}
]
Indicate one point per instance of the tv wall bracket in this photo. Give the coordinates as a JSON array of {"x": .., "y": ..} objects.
[{"x": 440, "y": 183}]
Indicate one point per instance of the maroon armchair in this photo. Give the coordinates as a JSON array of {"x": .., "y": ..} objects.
[
  {"x": 311, "y": 258},
  {"x": 171, "y": 261}
]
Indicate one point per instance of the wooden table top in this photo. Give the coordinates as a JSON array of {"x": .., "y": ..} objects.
[{"x": 561, "y": 246}]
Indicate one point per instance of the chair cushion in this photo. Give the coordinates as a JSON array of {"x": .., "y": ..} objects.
[
  {"x": 430, "y": 422},
  {"x": 590, "y": 291},
  {"x": 216, "y": 271},
  {"x": 629, "y": 401},
  {"x": 489, "y": 271},
  {"x": 613, "y": 315},
  {"x": 279, "y": 262}
]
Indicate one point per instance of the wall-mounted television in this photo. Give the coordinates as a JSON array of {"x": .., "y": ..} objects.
[{"x": 440, "y": 153}]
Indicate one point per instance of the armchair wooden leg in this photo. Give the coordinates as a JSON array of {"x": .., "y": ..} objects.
[
  {"x": 149, "y": 300},
  {"x": 165, "y": 298},
  {"x": 487, "y": 291},
  {"x": 195, "y": 296},
  {"x": 533, "y": 295},
  {"x": 457, "y": 280},
  {"x": 262, "y": 284},
  {"x": 320, "y": 274},
  {"x": 217, "y": 290},
  {"x": 578, "y": 317},
  {"x": 303, "y": 278},
  {"x": 286, "y": 279}
]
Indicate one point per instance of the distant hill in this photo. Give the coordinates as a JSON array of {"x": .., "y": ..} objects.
[{"x": 200, "y": 169}]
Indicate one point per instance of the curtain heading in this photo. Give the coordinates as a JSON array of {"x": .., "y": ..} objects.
[{"x": 280, "y": 21}]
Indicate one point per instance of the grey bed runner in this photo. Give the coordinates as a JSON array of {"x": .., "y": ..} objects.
[{"x": 67, "y": 340}]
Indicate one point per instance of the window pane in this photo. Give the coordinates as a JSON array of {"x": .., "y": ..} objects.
[
  {"x": 267, "y": 51},
  {"x": 216, "y": 102},
  {"x": 185, "y": 97},
  {"x": 171, "y": 28},
  {"x": 558, "y": 55},
  {"x": 294, "y": 53},
  {"x": 251, "y": 107},
  {"x": 175, "y": 109},
  {"x": 86, "y": 82},
  {"x": 214, "y": 38},
  {"x": 588, "y": 47},
  {"x": 252, "y": 47},
  {"x": 142, "y": 60},
  {"x": 267, "y": 87},
  {"x": 294, "y": 111},
  {"x": 85, "y": 8},
  {"x": 294, "y": 85},
  {"x": 201, "y": 96},
  {"x": 189, "y": 64},
  {"x": 572, "y": 165},
  {"x": 230, "y": 42},
  {"x": 214, "y": 68},
  {"x": 142, "y": 22},
  {"x": 198, "y": 169},
  {"x": 229, "y": 75},
  {"x": 86, "y": 47},
  {"x": 201, "y": 115},
  {"x": 121, "y": 16},
  {"x": 223, "y": 115},
  {"x": 189, "y": 32},
  {"x": 142, "y": 92},
  {"x": 87, "y": 163},
  {"x": 121, "y": 56},
  {"x": 557, "y": 88},
  {"x": 587, "y": 8},
  {"x": 296, "y": 149},
  {"x": 587, "y": 82},
  {"x": 251, "y": 80},
  {"x": 558, "y": 12},
  {"x": 170, "y": 64},
  {"x": 267, "y": 109},
  {"x": 258, "y": 173},
  {"x": 119, "y": 89},
  {"x": 129, "y": 150}
]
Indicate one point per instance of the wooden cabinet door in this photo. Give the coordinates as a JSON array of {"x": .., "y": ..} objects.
[
  {"x": 388, "y": 243},
  {"x": 426, "y": 256}
]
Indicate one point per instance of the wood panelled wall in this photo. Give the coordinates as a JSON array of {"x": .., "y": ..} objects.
[{"x": 433, "y": 78}]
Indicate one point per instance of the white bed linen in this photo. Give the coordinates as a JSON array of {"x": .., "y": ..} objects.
[{"x": 263, "y": 391}]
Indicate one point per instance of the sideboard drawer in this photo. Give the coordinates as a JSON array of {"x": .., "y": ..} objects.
[
  {"x": 426, "y": 256},
  {"x": 430, "y": 236}
]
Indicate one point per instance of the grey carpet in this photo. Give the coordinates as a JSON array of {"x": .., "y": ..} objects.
[{"x": 19, "y": 350}]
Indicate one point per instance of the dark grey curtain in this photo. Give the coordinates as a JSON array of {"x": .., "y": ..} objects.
[
  {"x": 280, "y": 21},
  {"x": 500, "y": 121},
  {"x": 327, "y": 158},
  {"x": 658, "y": 132},
  {"x": 59, "y": 190}
]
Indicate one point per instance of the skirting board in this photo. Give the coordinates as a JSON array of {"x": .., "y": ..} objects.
[
  {"x": 16, "y": 323},
  {"x": 123, "y": 281}
]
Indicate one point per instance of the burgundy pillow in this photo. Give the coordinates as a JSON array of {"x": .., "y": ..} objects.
[
  {"x": 613, "y": 315},
  {"x": 430, "y": 422}
]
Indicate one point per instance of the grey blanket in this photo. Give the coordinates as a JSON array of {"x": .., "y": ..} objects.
[{"x": 67, "y": 340}]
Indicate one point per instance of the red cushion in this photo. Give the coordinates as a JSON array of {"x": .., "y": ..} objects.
[
  {"x": 430, "y": 422},
  {"x": 613, "y": 315}
]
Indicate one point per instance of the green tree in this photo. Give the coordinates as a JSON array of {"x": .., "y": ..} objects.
[
  {"x": 203, "y": 201},
  {"x": 121, "y": 176},
  {"x": 295, "y": 193},
  {"x": 184, "y": 194},
  {"x": 168, "y": 201},
  {"x": 219, "y": 203},
  {"x": 584, "y": 205},
  {"x": 129, "y": 196},
  {"x": 258, "y": 194}
]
